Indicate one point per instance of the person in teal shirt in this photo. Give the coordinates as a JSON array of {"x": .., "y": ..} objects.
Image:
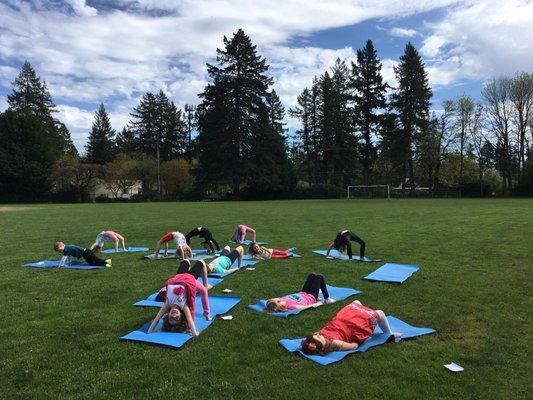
[{"x": 72, "y": 250}]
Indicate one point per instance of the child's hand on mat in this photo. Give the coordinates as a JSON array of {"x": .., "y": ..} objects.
[
  {"x": 208, "y": 317},
  {"x": 195, "y": 333}
]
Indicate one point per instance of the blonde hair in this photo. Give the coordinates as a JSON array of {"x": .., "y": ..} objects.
[
  {"x": 273, "y": 306},
  {"x": 56, "y": 245}
]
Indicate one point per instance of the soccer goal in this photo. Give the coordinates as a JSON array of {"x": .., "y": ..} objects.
[{"x": 369, "y": 192}]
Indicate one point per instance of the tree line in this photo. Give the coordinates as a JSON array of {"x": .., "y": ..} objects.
[{"x": 354, "y": 129}]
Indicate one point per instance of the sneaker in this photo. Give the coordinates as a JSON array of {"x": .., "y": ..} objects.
[
  {"x": 330, "y": 300},
  {"x": 108, "y": 261},
  {"x": 108, "y": 265}
]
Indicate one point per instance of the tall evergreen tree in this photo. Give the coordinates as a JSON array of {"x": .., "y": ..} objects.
[
  {"x": 411, "y": 100},
  {"x": 369, "y": 90},
  {"x": 30, "y": 94},
  {"x": 101, "y": 146},
  {"x": 126, "y": 142},
  {"x": 232, "y": 114},
  {"x": 31, "y": 140}
]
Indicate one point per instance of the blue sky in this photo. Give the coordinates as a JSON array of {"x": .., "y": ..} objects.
[{"x": 113, "y": 51}]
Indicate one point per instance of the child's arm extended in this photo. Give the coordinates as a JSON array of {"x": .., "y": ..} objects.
[
  {"x": 339, "y": 345},
  {"x": 65, "y": 261},
  {"x": 190, "y": 321},
  {"x": 205, "y": 299},
  {"x": 314, "y": 305},
  {"x": 161, "y": 312}
]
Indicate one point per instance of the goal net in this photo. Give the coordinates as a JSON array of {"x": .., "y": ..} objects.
[{"x": 369, "y": 192}]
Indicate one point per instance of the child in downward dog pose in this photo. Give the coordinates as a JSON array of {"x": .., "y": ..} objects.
[
  {"x": 205, "y": 234},
  {"x": 263, "y": 253},
  {"x": 351, "y": 326},
  {"x": 183, "y": 250},
  {"x": 342, "y": 244},
  {"x": 240, "y": 234},
  {"x": 103, "y": 236},
  {"x": 79, "y": 252},
  {"x": 178, "y": 310},
  {"x": 306, "y": 298}
]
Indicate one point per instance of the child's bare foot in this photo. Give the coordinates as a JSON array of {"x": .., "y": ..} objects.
[
  {"x": 330, "y": 300},
  {"x": 397, "y": 334}
]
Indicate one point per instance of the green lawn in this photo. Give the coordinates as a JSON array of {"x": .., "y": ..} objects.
[{"x": 60, "y": 328}]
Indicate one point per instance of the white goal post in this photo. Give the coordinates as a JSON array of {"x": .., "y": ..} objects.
[{"x": 369, "y": 191}]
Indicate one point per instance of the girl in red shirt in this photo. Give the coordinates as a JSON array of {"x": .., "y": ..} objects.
[{"x": 347, "y": 330}]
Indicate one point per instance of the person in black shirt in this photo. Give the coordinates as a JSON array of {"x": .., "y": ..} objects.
[
  {"x": 342, "y": 244},
  {"x": 205, "y": 234}
]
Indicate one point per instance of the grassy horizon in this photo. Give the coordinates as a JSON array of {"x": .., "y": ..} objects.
[{"x": 61, "y": 328}]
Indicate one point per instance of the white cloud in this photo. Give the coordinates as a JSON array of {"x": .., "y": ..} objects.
[
  {"x": 479, "y": 40},
  {"x": 81, "y": 8},
  {"x": 403, "y": 32},
  {"x": 115, "y": 56}
]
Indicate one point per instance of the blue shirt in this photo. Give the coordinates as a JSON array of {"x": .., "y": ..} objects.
[{"x": 74, "y": 251}]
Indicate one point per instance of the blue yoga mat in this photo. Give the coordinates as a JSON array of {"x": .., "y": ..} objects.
[
  {"x": 151, "y": 302},
  {"x": 129, "y": 249},
  {"x": 337, "y": 293},
  {"x": 245, "y": 263},
  {"x": 248, "y": 242},
  {"x": 391, "y": 272},
  {"x": 218, "y": 304},
  {"x": 55, "y": 264},
  {"x": 196, "y": 255},
  {"x": 378, "y": 338},
  {"x": 339, "y": 256}
]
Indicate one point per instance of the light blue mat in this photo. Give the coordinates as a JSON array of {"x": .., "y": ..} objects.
[
  {"x": 248, "y": 242},
  {"x": 245, "y": 263},
  {"x": 55, "y": 264},
  {"x": 391, "y": 272},
  {"x": 151, "y": 302},
  {"x": 218, "y": 304},
  {"x": 196, "y": 255},
  {"x": 339, "y": 256},
  {"x": 337, "y": 293},
  {"x": 376, "y": 339},
  {"x": 129, "y": 249}
]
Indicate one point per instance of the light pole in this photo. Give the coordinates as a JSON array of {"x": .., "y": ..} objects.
[{"x": 189, "y": 109}]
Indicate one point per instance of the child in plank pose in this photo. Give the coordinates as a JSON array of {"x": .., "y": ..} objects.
[
  {"x": 306, "y": 298},
  {"x": 223, "y": 263},
  {"x": 178, "y": 310},
  {"x": 105, "y": 235},
  {"x": 78, "y": 252},
  {"x": 343, "y": 245},
  {"x": 205, "y": 234},
  {"x": 182, "y": 248},
  {"x": 240, "y": 234},
  {"x": 263, "y": 253},
  {"x": 351, "y": 326},
  {"x": 198, "y": 270}
]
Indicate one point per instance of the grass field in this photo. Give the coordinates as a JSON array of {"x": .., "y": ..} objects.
[{"x": 60, "y": 328}]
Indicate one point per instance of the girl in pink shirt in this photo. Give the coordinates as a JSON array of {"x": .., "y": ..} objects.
[
  {"x": 103, "y": 236},
  {"x": 240, "y": 234},
  {"x": 306, "y": 298}
]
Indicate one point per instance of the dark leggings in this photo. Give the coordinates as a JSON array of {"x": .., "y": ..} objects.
[
  {"x": 350, "y": 236},
  {"x": 204, "y": 234},
  {"x": 195, "y": 270},
  {"x": 91, "y": 258},
  {"x": 314, "y": 284}
]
